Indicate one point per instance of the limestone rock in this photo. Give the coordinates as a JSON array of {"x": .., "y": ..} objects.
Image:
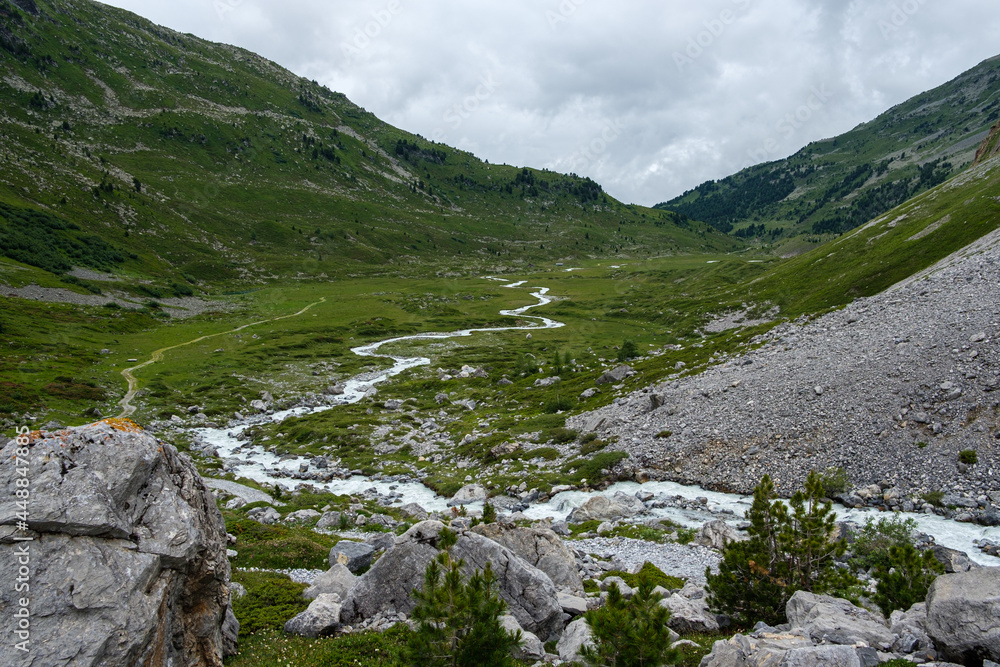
[
  {"x": 321, "y": 618},
  {"x": 575, "y": 637},
  {"x": 837, "y": 621},
  {"x": 355, "y": 556},
  {"x": 129, "y": 557},
  {"x": 601, "y": 508},
  {"x": 470, "y": 493},
  {"x": 687, "y": 615},
  {"x": 963, "y": 614},
  {"x": 717, "y": 534},
  {"x": 338, "y": 580},
  {"x": 528, "y": 592},
  {"x": 539, "y": 547},
  {"x": 615, "y": 375},
  {"x": 531, "y": 647}
]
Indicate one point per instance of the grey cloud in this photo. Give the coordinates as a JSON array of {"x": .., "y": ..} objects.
[{"x": 692, "y": 90}]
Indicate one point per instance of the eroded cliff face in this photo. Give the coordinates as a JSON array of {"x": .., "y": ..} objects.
[
  {"x": 127, "y": 562},
  {"x": 990, "y": 145}
]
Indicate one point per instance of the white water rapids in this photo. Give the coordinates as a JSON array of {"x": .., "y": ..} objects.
[{"x": 260, "y": 464}]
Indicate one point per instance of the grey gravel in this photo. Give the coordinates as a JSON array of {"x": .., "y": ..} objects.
[{"x": 687, "y": 561}]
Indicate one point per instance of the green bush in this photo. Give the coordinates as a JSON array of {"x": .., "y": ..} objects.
[
  {"x": 968, "y": 456},
  {"x": 590, "y": 469},
  {"x": 630, "y": 633},
  {"x": 560, "y": 435},
  {"x": 904, "y": 579},
  {"x": 592, "y": 446},
  {"x": 934, "y": 498},
  {"x": 834, "y": 481},
  {"x": 558, "y": 404},
  {"x": 790, "y": 549},
  {"x": 547, "y": 453},
  {"x": 271, "y": 600},
  {"x": 276, "y": 546},
  {"x": 876, "y": 538},
  {"x": 628, "y": 350}
]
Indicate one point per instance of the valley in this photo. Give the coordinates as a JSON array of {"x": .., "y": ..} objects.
[{"x": 251, "y": 333}]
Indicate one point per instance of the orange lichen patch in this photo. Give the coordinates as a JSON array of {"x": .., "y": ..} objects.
[{"x": 122, "y": 424}]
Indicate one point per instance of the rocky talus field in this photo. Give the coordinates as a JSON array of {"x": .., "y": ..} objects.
[{"x": 890, "y": 388}]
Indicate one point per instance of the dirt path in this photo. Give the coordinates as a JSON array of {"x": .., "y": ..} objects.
[{"x": 133, "y": 383}]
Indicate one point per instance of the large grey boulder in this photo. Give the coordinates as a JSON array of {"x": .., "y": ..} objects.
[
  {"x": 470, "y": 493},
  {"x": 717, "y": 534},
  {"x": 963, "y": 615},
  {"x": 356, "y": 556},
  {"x": 837, "y": 621},
  {"x": 601, "y": 508},
  {"x": 540, "y": 547},
  {"x": 530, "y": 648},
  {"x": 689, "y": 615},
  {"x": 320, "y": 618},
  {"x": 128, "y": 560},
  {"x": 822, "y": 656},
  {"x": 953, "y": 559},
  {"x": 574, "y": 638},
  {"x": 389, "y": 584},
  {"x": 335, "y": 581},
  {"x": 615, "y": 375}
]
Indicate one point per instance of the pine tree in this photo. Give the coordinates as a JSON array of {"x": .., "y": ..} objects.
[
  {"x": 631, "y": 633},
  {"x": 905, "y": 580},
  {"x": 458, "y": 622},
  {"x": 788, "y": 550}
]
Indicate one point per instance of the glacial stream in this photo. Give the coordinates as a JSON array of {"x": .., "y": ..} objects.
[{"x": 260, "y": 464}]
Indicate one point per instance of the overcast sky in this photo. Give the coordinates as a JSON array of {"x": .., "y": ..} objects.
[{"x": 649, "y": 98}]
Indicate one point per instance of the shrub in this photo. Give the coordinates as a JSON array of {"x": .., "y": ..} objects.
[
  {"x": 458, "y": 622},
  {"x": 834, "y": 481},
  {"x": 655, "y": 575},
  {"x": 547, "y": 453},
  {"x": 904, "y": 580},
  {"x": 630, "y": 633},
  {"x": 558, "y": 404},
  {"x": 664, "y": 434},
  {"x": 968, "y": 457},
  {"x": 790, "y": 549},
  {"x": 876, "y": 538},
  {"x": 560, "y": 435},
  {"x": 489, "y": 513},
  {"x": 934, "y": 498},
  {"x": 591, "y": 469},
  {"x": 592, "y": 446},
  {"x": 628, "y": 350}
]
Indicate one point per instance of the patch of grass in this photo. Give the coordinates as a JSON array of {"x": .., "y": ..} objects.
[
  {"x": 547, "y": 453},
  {"x": 664, "y": 434},
  {"x": 656, "y": 575},
  {"x": 364, "y": 649},
  {"x": 591, "y": 446},
  {"x": 560, "y": 435},
  {"x": 277, "y": 546},
  {"x": 590, "y": 469},
  {"x": 271, "y": 600}
]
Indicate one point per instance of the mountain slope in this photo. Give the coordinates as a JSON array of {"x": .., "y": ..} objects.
[
  {"x": 837, "y": 184},
  {"x": 204, "y": 161},
  {"x": 890, "y": 388}
]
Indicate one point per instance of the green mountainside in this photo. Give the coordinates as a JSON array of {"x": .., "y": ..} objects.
[
  {"x": 144, "y": 150},
  {"x": 837, "y": 184}
]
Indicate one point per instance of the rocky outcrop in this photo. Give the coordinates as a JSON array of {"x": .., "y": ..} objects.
[
  {"x": 320, "y": 618},
  {"x": 356, "y": 556},
  {"x": 388, "y": 586},
  {"x": 963, "y": 615},
  {"x": 836, "y": 621},
  {"x": 128, "y": 559},
  {"x": 541, "y": 548},
  {"x": 717, "y": 534},
  {"x": 602, "y": 508},
  {"x": 338, "y": 580}
]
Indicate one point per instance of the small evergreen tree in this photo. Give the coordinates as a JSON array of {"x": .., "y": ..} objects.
[
  {"x": 630, "y": 633},
  {"x": 628, "y": 350},
  {"x": 905, "y": 580},
  {"x": 790, "y": 549},
  {"x": 458, "y": 622},
  {"x": 489, "y": 513}
]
